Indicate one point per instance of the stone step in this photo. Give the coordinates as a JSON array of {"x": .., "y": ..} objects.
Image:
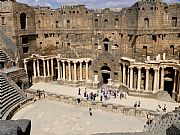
[{"x": 167, "y": 97}]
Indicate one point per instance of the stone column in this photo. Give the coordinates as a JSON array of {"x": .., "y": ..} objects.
[
  {"x": 131, "y": 77},
  {"x": 25, "y": 66},
  {"x": 38, "y": 71},
  {"x": 174, "y": 86},
  {"x": 44, "y": 66},
  {"x": 64, "y": 69},
  {"x": 178, "y": 88},
  {"x": 59, "y": 72},
  {"x": 52, "y": 67},
  {"x": 147, "y": 79},
  {"x": 75, "y": 74},
  {"x": 48, "y": 67},
  {"x": 155, "y": 79},
  {"x": 158, "y": 80},
  {"x": 69, "y": 65},
  {"x": 139, "y": 78},
  {"x": 124, "y": 74},
  {"x": 34, "y": 68},
  {"x": 80, "y": 70},
  {"x": 162, "y": 78},
  {"x": 128, "y": 73},
  {"x": 87, "y": 72}
]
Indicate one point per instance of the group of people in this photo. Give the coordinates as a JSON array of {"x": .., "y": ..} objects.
[
  {"x": 103, "y": 94},
  {"x": 162, "y": 109},
  {"x": 137, "y": 104}
]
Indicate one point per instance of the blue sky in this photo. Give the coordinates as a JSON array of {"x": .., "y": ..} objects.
[{"x": 91, "y": 4}]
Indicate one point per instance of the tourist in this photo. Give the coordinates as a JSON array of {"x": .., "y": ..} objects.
[
  {"x": 85, "y": 92},
  {"x": 44, "y": 93},
  {"x": 159, "y": 108},
  {"x": 135, "y": 104},
  {"x": 79, "y": 100},
  {"x": 87, "y": 97},
  {"x": 114, "y": 94},
  {"x": 101, "y": 97},
  {"x": 139, "y": 104},
  {"x": 90, "y": 111},
  {"x": 79, "y": 91},
  {"x": 164, "y": 109},
  {"x": 125, "y": 95}
]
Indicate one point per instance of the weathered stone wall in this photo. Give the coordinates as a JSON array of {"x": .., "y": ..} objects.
[{"x": 18, "y": 127}]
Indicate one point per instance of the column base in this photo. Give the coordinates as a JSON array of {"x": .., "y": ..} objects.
[{"x": 42, "y": 79}]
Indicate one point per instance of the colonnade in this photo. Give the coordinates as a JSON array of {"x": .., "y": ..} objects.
[
  {"x": 62, "y": 64},
  {"x": 130, "y": 72}
]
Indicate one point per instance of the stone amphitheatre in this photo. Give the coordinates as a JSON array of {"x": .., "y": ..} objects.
[{"x": 47, "y": 54}]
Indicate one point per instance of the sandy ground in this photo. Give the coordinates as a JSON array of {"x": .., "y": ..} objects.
[
  {"x": 150, "y": 104},
  {"x": 55, "y": 118}
]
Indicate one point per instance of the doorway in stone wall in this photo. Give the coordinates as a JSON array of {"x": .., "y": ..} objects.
[{"x": 105, "y": 70}]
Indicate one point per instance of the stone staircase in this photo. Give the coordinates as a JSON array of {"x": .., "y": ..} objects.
[
  {"x": 3, "y": 56},
  {"x": 9, "y": 96},
  {"x": 166, "y": 97}
]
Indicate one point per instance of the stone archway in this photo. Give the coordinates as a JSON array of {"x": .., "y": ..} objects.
[{"x": 106, "y": 71}]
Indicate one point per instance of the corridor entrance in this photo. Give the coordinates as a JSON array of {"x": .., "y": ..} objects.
[
  {"x": 105, "y": 70},
  {"x": 105, "y": 77}
]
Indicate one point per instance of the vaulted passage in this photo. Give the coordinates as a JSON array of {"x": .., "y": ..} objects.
[{"x": 105, "y": 74}]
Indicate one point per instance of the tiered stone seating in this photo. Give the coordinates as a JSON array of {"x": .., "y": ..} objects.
[
  {"x": 3, "y": 56},
  {"x": 165, "y": 122},
  {"x": 9, "y": 96}
]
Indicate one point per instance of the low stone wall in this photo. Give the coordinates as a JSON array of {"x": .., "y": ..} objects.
[
  {"x": 110, "y": 107},
  {"x": 17, "y": 107},
  {"x": 162, "y": 132}
]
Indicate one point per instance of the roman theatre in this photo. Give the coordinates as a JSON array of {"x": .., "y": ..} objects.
[{"x": 47, "y": 55}]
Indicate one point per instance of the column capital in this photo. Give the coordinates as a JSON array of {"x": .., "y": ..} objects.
[
  {"x": 156, "y": 69},
  {"x": 25, "y": 61},
  {"x": 139, "y": 67},
  {"x": 123, "y": 64},
  {"x": 43, "y": 59},
  {"x": 81, "y": 61},
  {"x": 75, "y": 62},
  {"x": 163, "y": 66},
  {"x": 63, "y": 61},
  {"x": 147, "y": 68},
  {"x": 68, "y": 61},
  {"x": 131, "y": 67}
]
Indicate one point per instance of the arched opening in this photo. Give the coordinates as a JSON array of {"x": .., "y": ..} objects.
[
  {"x": 116, "y": 22},
  {"x": 68, "y": 24},
  {"x": 3, "y": 20},
  {"x": 146, "y": 23},
  {"x": 172, "y": 49},
  {"x": 116, "y": 46},
  {"x": 106, "y": 44},
  {"x": 105, "y": 74},
  {"x": 169, "y": 81},
  {"x": 57, "y": 24},
  {"x": 39, "y": 24},
  {"x": 96, "y": 22},
  {"x": 23, "y": 20},
  {"x": 105, "y": 23},
  {"x": 95, "y": 46},
  {"x": 174, "y": 22}
]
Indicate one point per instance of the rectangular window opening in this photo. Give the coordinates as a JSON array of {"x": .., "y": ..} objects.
[
  {"x": 25, "y": 49},
  {"x": 25, "y": 40}
]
